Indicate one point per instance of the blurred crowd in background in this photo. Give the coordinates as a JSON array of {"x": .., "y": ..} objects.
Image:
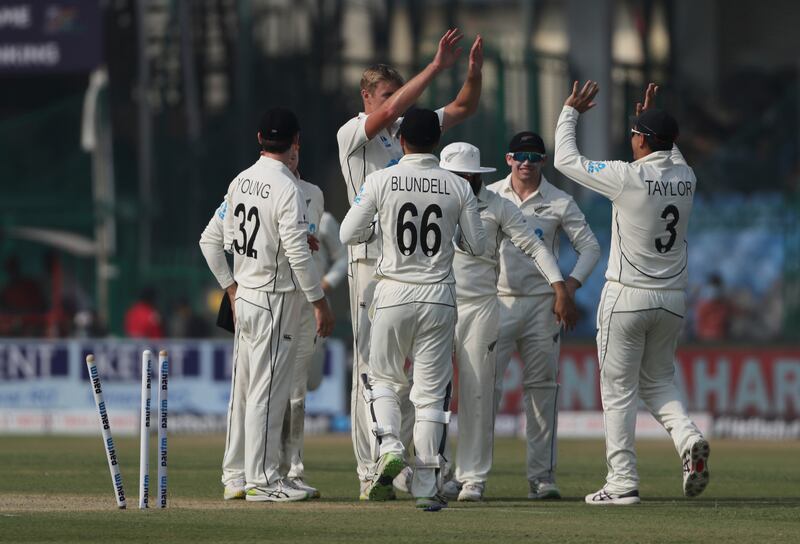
[{"x": 99, "y": 227}]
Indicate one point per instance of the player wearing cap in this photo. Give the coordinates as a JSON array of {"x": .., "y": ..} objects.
[
  {"x": 330, "y": 258},
  {"x": 419, "y": 206},
  {"x": 369, "y": 142},
  {"x": 526, "y": 301},
  {"x": 644, "y": 300},
  {"x": 266, "y": 230},
  {"x": 476, "y": 329}
]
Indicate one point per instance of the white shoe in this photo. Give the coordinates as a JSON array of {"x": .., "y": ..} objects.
[
  {"x": 299, "y": 483},
  {"x": 544, "y": 490},
  {"x": 471, "y": 492},
  {"x": 280, "y": 491},
  {"x": 451, "y": 489},
  {"x": 604, "y": 498},
  {"x": 388, "y": 467},
  {"x": 234, "y": 490},
  {"x": 402, "y": 481},
  {"x": 695, "y": 468}
]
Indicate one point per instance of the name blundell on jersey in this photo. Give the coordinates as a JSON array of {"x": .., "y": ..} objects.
[
  {"x": 668, "y": 188},
  {"x": 419, "y": 185}
]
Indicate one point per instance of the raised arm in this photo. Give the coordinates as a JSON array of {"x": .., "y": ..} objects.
[
  {"x": 466, "y": 102},
  {"x": 649, "y": 99},
  {"x": 604, "y": 177},
  {"x": 408, "y": 94}
]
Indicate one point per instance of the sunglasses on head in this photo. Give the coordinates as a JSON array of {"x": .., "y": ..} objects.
[
  {"x": 530, "y": 156},
  {"x": 634, "y": 132}
]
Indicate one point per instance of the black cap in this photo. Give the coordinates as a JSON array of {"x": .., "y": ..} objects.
[
  {"x": 526, "y": 141},
  {"x": 278, "y": 125},
  {"x": 657, "y": 123},
  {"x": 420, "y": 127}
]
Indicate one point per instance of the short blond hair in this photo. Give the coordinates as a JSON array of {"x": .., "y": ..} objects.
[{"x": 377, "y": 73}]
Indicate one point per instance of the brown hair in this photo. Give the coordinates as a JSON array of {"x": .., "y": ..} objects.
[{"x": 377, "y": 73}]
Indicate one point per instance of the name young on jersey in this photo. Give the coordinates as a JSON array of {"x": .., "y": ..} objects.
[
  {"x": 419, "y": 185},
  {"x": 668, "y": 188},
  {"x": 253, "y": 187}
]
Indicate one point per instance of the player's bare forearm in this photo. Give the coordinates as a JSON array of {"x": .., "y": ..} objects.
[
  {"x": 564, "y": 306},
  {"x": 468, "y": 98},
  {"x": 409, "y": 93},
  {"x": 572, "y": 285}
]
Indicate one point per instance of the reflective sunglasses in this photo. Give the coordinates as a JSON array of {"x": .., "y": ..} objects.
[{"x": 530, "y": 156}]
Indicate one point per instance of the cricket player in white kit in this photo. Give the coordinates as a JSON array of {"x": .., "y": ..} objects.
[
  {"x": 476, "y": 330},
  {"x": 367, "y": 143},
  {"x": 526, "y": 301},
  {"x": 644, "y": 301},
  {"x": 326, "y": 245},
  {"x": 330, "y": 257},
  {"x": 419, "y": 206},
  {"x": 266, "y": 229}
]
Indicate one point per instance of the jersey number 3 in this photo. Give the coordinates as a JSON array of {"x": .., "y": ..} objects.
[
  {"x": 670, "y": 212},
  {"x": 426, "y": 227},
  {"x": 251, "y": 216}
]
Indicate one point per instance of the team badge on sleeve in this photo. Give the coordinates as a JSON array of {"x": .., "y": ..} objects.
[
  {"x": 595, "y": 166},
  {"x": 223, "y": 207}
]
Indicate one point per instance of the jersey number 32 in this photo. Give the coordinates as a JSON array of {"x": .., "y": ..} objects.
[{"x": 245, "y": 247}]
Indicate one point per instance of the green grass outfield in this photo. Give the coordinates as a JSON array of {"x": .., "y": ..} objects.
[{"x": 55, "y": 489}]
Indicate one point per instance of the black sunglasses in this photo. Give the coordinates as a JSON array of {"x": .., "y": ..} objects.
[{"x": 530, "y": 156}]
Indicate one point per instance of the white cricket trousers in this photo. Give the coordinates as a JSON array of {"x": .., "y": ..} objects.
[
  {"x": 528, "y": 324},
  {"x": 417, "y": 321},
  {"x": 233, "y": 459},
  {"x": 294, "y": 421},
  {"x": 475, "y": 349},
  {"x": 637, "y": 333},
  {"x": 362, "y": 282},
  {"x": 266, "y": 326}
]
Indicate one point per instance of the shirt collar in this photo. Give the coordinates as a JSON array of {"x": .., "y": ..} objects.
[
  {"x": 277, "y": 165},
  {"x": 654, "y": 157},
  {"x": 541, "y": 192},
  {"x": 427, "y": 160}
]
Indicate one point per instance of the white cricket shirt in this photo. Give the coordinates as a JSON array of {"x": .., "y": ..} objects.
[
  {"x": 419, "y": 206},
  {"x": 476, "y": 276},
  {"x": 211, "y": 245},
  {"x": 332, "y": 256},
  {"x": 267, "y": 231},
  {"x": 547, "y": 211},
  {"x": 651, "y": 203},
  {"x": 360, "y": 156}
]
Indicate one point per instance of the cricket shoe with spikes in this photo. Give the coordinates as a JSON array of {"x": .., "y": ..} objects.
[
  {"x": 234, "y": 490},
  {"x": 279, "y": 491},
  {"x": 604, "y": 498},
  {"x": 432, "y": 504},
  {"x": 695, "y": 468},
  {"x": 388, "y": 467},
  {"x": 471, "y": 492},
  {"x": 299, "y": 483}
]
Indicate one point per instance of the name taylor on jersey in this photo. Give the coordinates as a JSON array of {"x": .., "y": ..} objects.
[{"x": 668, "y": 188}]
